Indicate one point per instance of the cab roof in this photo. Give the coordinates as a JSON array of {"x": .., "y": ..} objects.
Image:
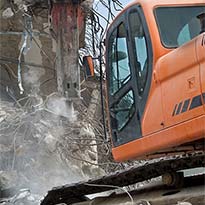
[
  {"x": 155, "y": 3},
  {"x": 151, "y": 4}
]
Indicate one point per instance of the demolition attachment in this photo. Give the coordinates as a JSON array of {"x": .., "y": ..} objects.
[{"x": 67, "y": 23}]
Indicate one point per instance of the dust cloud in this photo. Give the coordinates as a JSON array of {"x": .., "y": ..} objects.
[{"x": 30, "y": 155}]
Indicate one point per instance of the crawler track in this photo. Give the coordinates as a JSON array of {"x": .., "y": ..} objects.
[{"x": 73, "y": 193}]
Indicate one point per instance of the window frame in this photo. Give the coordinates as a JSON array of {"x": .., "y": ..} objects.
[
  {"x": 142, "y": 99},
  {"x": 134, "y": 50},
  {"x": 132, "y": 107}
]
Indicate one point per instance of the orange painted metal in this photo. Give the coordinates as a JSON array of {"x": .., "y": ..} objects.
[
  {"x": 171, "y": 137},
  {"x": 178, "y": 77},
  {"x": 178, "y": 74},
  {"x": 91, "y": 65}
]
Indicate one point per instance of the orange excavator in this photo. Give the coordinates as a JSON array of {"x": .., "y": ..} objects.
[{"x": 155, "y": 80}]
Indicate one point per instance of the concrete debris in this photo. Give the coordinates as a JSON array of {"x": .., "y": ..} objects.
[
  {"x": 23, "y": 197},
  {"x": 87, "y": 130},
  {"x": 87, "y": 4},
  {"x": 40, "y": 150},
  {"x": 4, "y": 148},
  {"x": 183, "y": 203},
  {"x": 22, "y": 5},
  {"x": 18, "y": 2},
  {"x": 63, "y": 109},
  {"x": 143, "y": 202},
  {"x": 51, "y": 142},
  {"x": 2, "y": 116},
  {"x": 7, "y": 178},
  {"x": 7, "y": 13}
]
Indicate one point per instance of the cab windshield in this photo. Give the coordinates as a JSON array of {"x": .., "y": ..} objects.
[{"x": 178, "y": 25}]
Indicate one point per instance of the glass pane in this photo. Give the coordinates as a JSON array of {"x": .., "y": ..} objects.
[
  {"x": 123, "y": 110},
  {"x": 184, "y": 35},
  {"x": 177, "y": 25},
  {"x": 140, "y": 49},
  {"x": 118, "y": 59}
]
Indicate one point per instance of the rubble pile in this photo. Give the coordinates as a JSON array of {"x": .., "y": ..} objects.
[
  {"x": 43, "y": 143},
  {"x": 40, "y": 150},
  {"x": 22, "y": 197}
]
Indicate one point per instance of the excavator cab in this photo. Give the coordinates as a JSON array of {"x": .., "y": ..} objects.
[
  {"x": 155, "y": 62},
  {"x": 155, "y": 79},
  {"x": 128, "y": 79}
]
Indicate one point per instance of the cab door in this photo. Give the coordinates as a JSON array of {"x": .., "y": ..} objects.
[{"x": 128, "y": 68}]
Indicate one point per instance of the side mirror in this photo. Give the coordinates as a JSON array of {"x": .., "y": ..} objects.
[{"x": 88, "y": 66}]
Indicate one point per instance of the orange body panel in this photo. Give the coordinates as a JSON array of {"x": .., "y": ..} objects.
[
  {"x": 178, "y": 73},
  {"x": 185, "y": 132},
  {"x": 178, "y": 77}
]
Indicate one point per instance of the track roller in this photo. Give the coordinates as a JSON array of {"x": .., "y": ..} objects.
[{"x": 173, "y": 179}]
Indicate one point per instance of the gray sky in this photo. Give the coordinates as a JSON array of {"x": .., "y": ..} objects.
[{"x": 103, "y": 10}]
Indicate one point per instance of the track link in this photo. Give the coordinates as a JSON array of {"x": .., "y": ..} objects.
[{"x": 74, "y": 193}]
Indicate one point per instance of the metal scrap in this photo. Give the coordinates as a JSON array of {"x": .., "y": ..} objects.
[{"x": 27, "y": 42}]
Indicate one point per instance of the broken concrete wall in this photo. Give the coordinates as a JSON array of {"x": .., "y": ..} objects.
[
  {"x": 39, "y": 147},
  {"x": 38, "y": 62}
]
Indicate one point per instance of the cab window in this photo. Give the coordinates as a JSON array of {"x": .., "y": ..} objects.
[
  {"x": 119, "y": 61},
  {"x": 123, "y": 110},
  {"x": 140, "y": 50},
  {"x": 178, "y": 25}
]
